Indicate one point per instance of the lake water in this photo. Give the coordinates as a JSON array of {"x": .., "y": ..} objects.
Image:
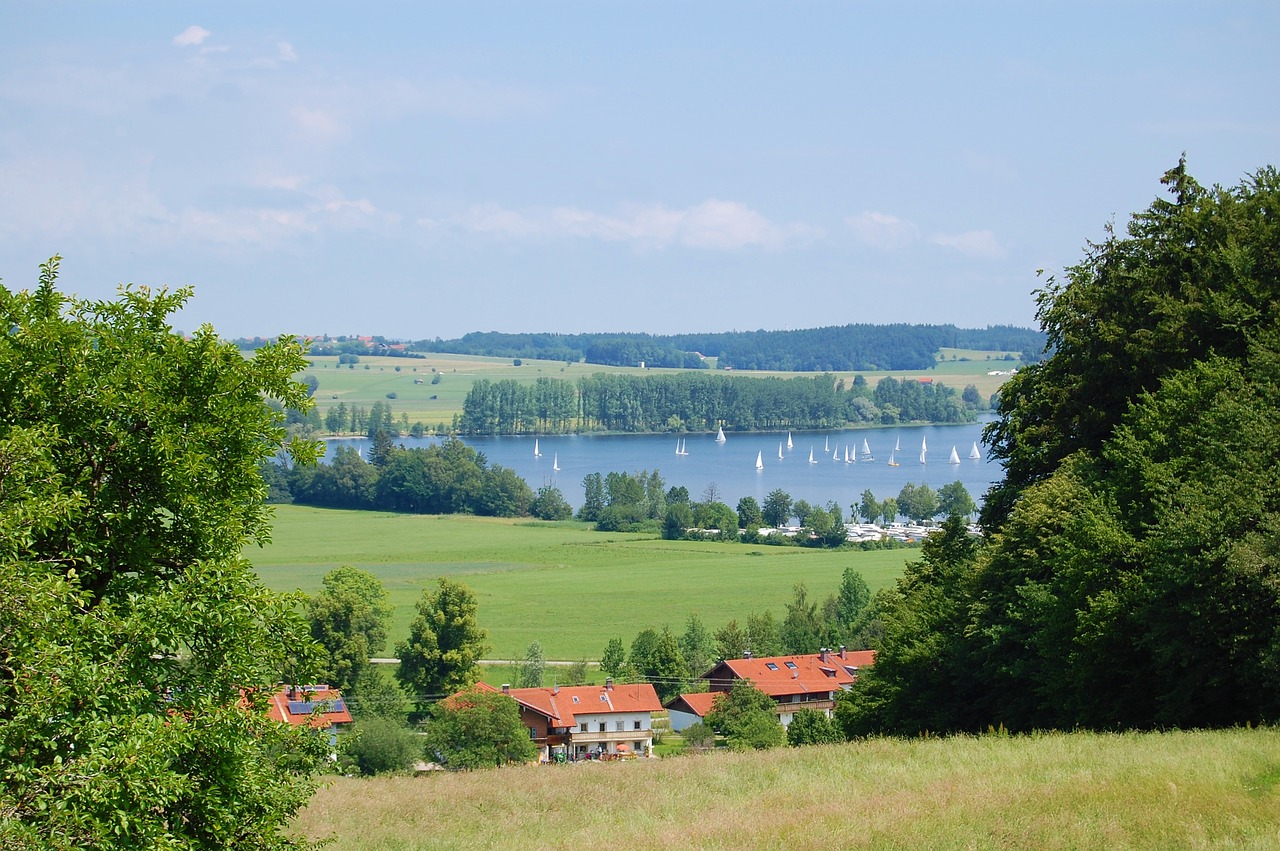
[{"x": 731, "y": 465}]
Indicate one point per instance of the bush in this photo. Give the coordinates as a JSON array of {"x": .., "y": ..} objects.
[{"x": 380, "y": 745}]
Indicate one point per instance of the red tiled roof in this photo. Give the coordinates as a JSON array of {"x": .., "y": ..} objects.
[
  {"x": 699, "y": 703},
  {"x": 799, "y": 674},
  {"x": 294, "y": 705},
  {"x": 559, "y": 705}
]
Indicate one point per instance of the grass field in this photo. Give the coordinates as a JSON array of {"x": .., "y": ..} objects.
[
  {"x": 1203, "y": 790},
  {"x": 373, "y": 378},
  {"x": 561, "y": 584}
]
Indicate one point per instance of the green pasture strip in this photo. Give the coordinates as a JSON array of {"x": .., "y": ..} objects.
[
  {"x": 356, "y": 385},
  {"x": 561, "y": 584},
  {"x": 1197, "y": 789}
]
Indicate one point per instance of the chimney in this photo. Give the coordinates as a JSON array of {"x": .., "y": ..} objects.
[
  {"x": 822, "y": 654},
  {"x": 555, "y": 689},
  {"x": 608, "y": 683},
  {"x": 842, "y": 651},
  {"x": 746, "y": 654},
  {"x": 506, "y": 688}
]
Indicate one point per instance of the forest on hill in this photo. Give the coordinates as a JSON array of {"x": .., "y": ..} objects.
[{"x": 841, "y": 348}]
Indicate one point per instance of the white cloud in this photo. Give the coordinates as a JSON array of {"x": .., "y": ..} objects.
[
  {"x": 713, "y": 224},
  {"x": 317, "y": 123},
  {"x": 883, "y": 230},
  {"x": 975, "y": 243},
  {"x": 287, "y": 53},
  {"x": 192, "y": 35}
]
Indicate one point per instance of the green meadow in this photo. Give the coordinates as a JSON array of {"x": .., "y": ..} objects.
[
  {"x": 561, "y": 584},
  {"x": 1194, "y": 789},
  {"x": 373, "y": 378}
]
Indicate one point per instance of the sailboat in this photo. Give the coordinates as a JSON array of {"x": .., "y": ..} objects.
[
  {"x": 835, "y": 454},
  {"x": 720, "y": 438},
  {"x": 826, "y": 443},
  {"x": 897, "y": 445},
  {"x": 555, "y": 462},
  {"x": 866, "y": 450},
  {"x": 788, "y": 440},
  {"x": 779, "y": 450},
  {"x": 892, "y": 461},
  {"x": 974, "y": 453},
  {"x": 955, "y": 457},
  {"x": 759, "y": 461},
  {"x": 924, "y": 447},
  {"x": 682, "y": 447},
  {"x": 811, "y": 461},
  {"x": 536, "y": 453},
  {"x": 846, "y": 453}
]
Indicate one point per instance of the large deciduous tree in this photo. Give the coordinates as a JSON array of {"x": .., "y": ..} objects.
[
  {"x": 445, "y": 642},
  {"x": 349, "y": 620},
  {"x": 478, "y": 729},
  {"x": 137, "y": 648}
]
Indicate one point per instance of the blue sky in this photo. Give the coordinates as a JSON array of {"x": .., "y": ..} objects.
[{"x": 427, "y": 169}]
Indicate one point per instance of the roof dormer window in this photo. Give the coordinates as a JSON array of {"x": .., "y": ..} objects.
[{"x": 772, "y": 666}]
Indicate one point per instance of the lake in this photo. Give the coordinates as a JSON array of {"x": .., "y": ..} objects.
[{"x": 731, "y": 465}]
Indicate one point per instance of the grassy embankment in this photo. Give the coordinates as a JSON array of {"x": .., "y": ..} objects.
[
  {"x": 1218, "y": 789},
  {"x": 561, "y": 584},
  {"x": 363, "y": 387}
]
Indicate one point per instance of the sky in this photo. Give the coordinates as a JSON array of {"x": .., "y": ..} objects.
[{"x": 423, "y": 170}]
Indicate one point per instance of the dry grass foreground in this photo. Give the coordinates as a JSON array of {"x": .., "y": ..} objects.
[{"x": 1217, "y": 789}]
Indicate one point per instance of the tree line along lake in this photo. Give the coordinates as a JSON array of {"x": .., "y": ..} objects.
[{"x": 731, "y": 465}]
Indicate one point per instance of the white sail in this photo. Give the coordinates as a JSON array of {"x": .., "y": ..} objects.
[
  {"x": 974, "y": 453},
  {"x": 826, "y": 443},
  {"x": 779, "y": 450},
  {"x": 866, "y": 450},
  {"x": 788, "y": 440},
  {"x": 835, "y": 454},
  {"x": 555, "y": 462},
  {"x": 811, "y": 461},
  {"x": 846, "y": 453},
  {"x": 892, "y": 461},
  {"x": 759, "y": 461},
  {"x": 720, "y": 438},
  {"x": 536, "y": 453},
  {"x": 955, "y": 457},
  {"x": 924, "y": 448},
  {"x": 853, "y": 456},
  {"x": 897, "y": 445}
]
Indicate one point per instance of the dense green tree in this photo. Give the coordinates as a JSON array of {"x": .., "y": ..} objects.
[
  {"x": 697, "y": 646},
  {"x": 811, "y": 727},
  {"x": 918, "y": 502},
  {"x": 643, "y": 652},
  {"x": 749, "y": 513},
  {"x": 668, "y": 670},
  {"x": 747, "y": 718},
  {"x": 868, "y": 507},
  {"x": 777, "y": 508},
  {"x": 614, "y": 658},
  {"x": 531, "y": 669},
  {"x": 378, "y": 696},
  {"x": 889, "y": 509},
  {"x": 137, "y": 648},
  {"x": 699, "y": 736},
  {"x": 678, "y": 521},
  {"x": 477, "y": 729},
  {"x": 763, "y": 638},
  {"x": 954, "y": 499},
  {"x": 593, "y": 500},
  {"x": 731, "y": 641},
  {"x": 550, "y": 504},
  {"x": 851, "y": 601},
  {"x": 801, "y": 630},
  {"x": 718, "y": 516},
  {"x": 445, "y": 642},
  {"x": 379, "y": 745},
  {"x": 802, "y": 509},
  {"x": 349, "y": 620}
]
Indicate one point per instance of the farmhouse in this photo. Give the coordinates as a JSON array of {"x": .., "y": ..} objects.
[
  {"x": 318, "y": 705},
  {"x": 803, "y": 681},
  {"x": 584, "y": 721}
]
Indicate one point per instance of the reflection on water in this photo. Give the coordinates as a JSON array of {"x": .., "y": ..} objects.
[{"x": 731, "y": 465}]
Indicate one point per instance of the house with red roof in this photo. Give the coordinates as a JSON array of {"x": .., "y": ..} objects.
[
  {"x": 802, "y": 681},
  {"x": 584, "y": 721},
  {"x": 318, "y": 705}
]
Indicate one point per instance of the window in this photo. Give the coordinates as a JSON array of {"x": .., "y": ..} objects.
[
  {"x": 533, "y": 733},
  {"x": 637, "y": 726},
  {"x": 791, "y": 665},
  {"x": 617, "y": 725},
  {"x": 604, "y": 725},
  {"x": 582, "y": 727},
  {"x": 772, "y": 666}
]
